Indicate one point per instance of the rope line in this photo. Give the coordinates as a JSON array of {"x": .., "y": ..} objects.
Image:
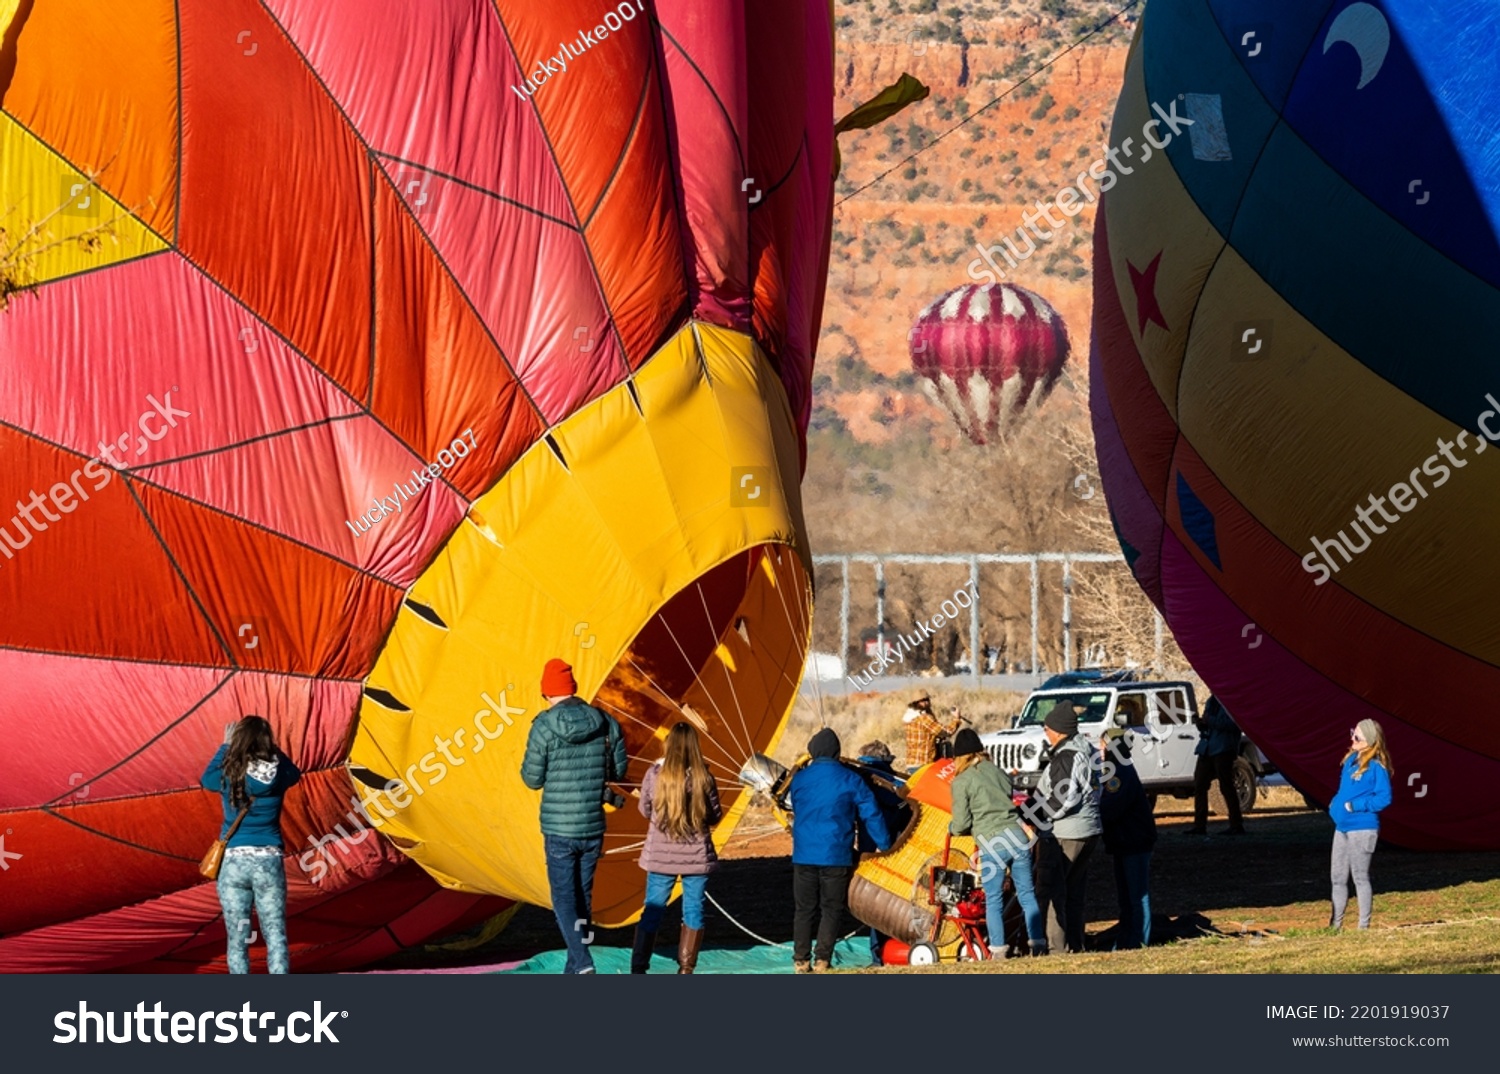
[
  {"x": 728, "y": 678},
  {"x": 976, "y": 114},
  {"x": 755, "y": 935},
  {"x": 723, "y": 720},
  {"x": 731, "y": 919}
]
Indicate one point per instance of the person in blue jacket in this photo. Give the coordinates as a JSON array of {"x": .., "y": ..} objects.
[
  {"x": 251, "y": 775},
  {"x": 1364, "y": 790},
  {"x": 828, "y": 803}
]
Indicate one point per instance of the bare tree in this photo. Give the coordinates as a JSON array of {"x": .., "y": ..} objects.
[
  {"x": 1111, "y": 610},
  {"x": 24, "y": 242}
]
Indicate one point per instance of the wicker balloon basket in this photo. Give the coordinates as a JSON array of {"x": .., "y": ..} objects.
[{"x": 889, "y": 890}]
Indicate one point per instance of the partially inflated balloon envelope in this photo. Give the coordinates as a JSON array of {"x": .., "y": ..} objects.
[
  {"x": 385, "y": 349},
  {"x": 1296, "y": 310}
]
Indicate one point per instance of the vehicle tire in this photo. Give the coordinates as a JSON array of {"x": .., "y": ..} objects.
[
  {"x": 922, "y": 954},
  {"x": 1151, "y": 797},
  {"x": 1245, "y": 786}
]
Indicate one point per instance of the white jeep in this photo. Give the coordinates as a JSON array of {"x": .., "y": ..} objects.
[{"x": 1161, "y": 723}]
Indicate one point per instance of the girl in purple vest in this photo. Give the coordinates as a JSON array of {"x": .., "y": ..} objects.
[{"x": 681, "y": 800}]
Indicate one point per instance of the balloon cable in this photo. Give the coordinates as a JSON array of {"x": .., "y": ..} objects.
[
  {"x": 986, "y": 107},
  {"x": 754, "y": 935}
]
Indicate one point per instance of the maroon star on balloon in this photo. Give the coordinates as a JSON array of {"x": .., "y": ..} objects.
[{"x": 1148, "y": 309}]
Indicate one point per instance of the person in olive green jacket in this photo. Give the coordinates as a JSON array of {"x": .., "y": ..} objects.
[
  {"x": 983, "y": 807},
  {"x": 573, "y": 753}
]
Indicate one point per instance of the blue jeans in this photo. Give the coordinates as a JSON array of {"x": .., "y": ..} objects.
[
  {"x": 659, "y": 892},
  {"x": 1000, "y": 854},
  {"x": 1133, "y": 886},
  {"x": 261, "y": 882},
  {"x": 570, "y": 875}
]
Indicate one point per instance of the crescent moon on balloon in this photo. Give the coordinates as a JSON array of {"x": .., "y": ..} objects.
[{"x": 1365, "y": 29}]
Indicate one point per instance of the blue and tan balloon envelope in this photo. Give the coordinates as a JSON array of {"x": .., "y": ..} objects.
[{"x": 1296, "y": 310}]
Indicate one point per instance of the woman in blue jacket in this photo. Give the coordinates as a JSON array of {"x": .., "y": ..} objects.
[
  {"x": 249, "y": 771},
  {"x": 1364, "y": 790}
]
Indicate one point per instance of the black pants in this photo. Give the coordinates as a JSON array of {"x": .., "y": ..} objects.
[
  {"x": 1062, "y": 873},
  {"x": 821, "y": 895},
  {"x": 1221, "y": 767}
]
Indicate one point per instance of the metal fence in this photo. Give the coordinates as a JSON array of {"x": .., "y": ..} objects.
[{"x": 974, "y": 561}]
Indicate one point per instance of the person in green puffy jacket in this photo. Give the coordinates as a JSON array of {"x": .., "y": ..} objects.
[{"x": 573, "y": 753}]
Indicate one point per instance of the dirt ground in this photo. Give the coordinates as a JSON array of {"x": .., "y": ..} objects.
[{"x": 1266, "y": 887}]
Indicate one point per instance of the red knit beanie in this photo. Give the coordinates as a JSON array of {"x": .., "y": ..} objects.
[{"x": 557, "y": 679}]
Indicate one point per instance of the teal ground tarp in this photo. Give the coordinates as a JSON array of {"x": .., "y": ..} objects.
[{"x": 848, "y": 954}]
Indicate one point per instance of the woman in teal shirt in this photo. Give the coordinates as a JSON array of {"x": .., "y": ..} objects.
[{"x": 251, "y": 775}]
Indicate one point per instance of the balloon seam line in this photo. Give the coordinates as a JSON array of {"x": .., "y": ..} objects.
[
  {"x": 562, "y": 180},
  {"x": 354, "y": 132},
  {"x": 143, "y": 747}
]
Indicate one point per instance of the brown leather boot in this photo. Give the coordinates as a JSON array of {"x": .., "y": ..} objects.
[
  {"x": 688, "y": 944},
  {"x": 640, "y": 954}
]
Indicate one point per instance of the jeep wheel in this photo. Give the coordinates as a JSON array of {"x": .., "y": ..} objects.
[{"x": 1245, "y": 786}]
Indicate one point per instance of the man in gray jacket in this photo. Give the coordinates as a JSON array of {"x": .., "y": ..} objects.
[{"x": 1065, "y": 811}]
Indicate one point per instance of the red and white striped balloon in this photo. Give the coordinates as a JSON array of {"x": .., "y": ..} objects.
[{"x": 990, "y": 352}]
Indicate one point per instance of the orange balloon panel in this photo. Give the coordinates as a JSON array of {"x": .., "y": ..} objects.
[{"x": 333, "y": 317}]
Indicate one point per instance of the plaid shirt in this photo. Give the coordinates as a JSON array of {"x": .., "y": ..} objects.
[{"x": 922, "y": 736}]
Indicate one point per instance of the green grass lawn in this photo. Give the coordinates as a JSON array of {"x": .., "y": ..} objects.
[
  {"x": 1260, "y": 905},
  {"x": 1463, "y": 946}
]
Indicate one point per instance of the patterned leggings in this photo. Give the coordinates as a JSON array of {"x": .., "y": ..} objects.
[{"x": 261, "y": 880}]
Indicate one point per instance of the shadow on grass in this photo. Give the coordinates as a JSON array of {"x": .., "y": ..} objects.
[
  {"x": 1200, "y": 886},
  {"x": 1282, "y": 861}
]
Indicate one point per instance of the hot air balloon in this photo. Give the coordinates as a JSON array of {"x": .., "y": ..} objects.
[
  {"x": 1294, "y": 380},
  {"x": 377, "y": 353},
  {"x": 990, "y": 353}
]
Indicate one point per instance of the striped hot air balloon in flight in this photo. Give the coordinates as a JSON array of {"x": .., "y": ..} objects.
[{"x": 989, "y": 352}]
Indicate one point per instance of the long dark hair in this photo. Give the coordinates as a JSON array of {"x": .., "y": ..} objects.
[{"x": 251, "y": 741}]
